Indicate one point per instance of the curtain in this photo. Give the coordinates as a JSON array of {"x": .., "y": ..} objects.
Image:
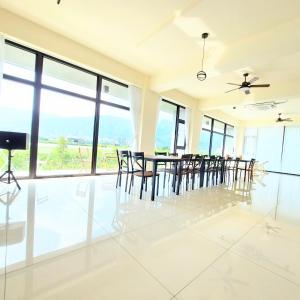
[
  {"x": 1, "y": 59},
  {"x": 135, "y": 96},
  {"x": 187, "y": 129}
]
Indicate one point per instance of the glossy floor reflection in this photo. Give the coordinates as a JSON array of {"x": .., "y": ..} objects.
[{"x": 80, "y": 238}]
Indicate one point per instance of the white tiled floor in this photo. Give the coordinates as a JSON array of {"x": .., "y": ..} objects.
[{"x": 80, "y": 238}]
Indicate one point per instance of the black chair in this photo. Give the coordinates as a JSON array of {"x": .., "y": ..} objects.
[
  {"x": 185, "y": 168},
  {"x": 139, "y": 169},
  {"x": 197, "y": 166},
  {"x": 123, "y": 166},
  {"x": 162, "y": 164}
]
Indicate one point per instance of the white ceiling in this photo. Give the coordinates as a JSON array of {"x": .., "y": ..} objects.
[{"x": 162, "y": 38}]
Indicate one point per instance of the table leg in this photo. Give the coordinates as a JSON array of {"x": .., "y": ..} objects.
[
  {"x": 202, "y": 172},
  {"x": 179, "y": 179},
  {"x": 174, "y": 176},
  {"x": 154, "y": 170}
]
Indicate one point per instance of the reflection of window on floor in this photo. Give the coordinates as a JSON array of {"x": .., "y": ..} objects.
[
  {"x": 67, "y": 133},
  {"x": 217, "y": 138}
]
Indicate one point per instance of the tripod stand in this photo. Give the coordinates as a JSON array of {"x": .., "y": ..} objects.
[{"x": 10, "y": 175}]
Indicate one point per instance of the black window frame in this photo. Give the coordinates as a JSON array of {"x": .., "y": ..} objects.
[
  {"x": 178, "y": 121},
  {"x": 38, "y": 86},
  {"x": 212, "y": 132}
]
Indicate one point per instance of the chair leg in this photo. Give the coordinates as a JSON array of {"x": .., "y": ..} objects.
[
  {"x": 141, "y": 188},
  {"x": 165, "y": 175},
  {"x": 157, "y": 188},
  {"x": 126, "y": 182},
  {"x": 146, "y": 187},
  {"x": 117, "y": 179},
  {"x": 120, "y": 179},
  {"x": 130, "y": 183}
]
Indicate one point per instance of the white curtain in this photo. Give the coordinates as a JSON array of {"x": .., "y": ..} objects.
[
  {"x": 135, "y": 96},
  {"x": 1, "y": 60},
  {"x": 187, "y": 129}
]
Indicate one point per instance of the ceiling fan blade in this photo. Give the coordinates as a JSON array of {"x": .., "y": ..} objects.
[
  {"x": 232, "y": 90},
  {"x": 253, "y": 80},
  {"x": 247, "y": 92},
  {"x": 233, "y": 83},
  {"x": 287, "y": 120},
  {"x": 259, "y": 85}
]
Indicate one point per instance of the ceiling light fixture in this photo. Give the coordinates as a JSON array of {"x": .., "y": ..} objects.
[
  {"x": 58, "y": 1},
  {"x": 201, "y": 75}
]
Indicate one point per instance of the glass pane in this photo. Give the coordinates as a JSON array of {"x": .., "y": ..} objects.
[
  {"x": 181, "y": 135},
  {"x": 64, "y": 77},
  {"x": 206, "y": 123},
  {"x": 182, "y": 113},
  {"x": 218, "y": 126},
  {"x": 165, "y": 131},
  {"x": 114, "y": 93},
  {"x": 203, "y": 146},
  {"x": 15, "y": 115},
  {"x": 115, "y": 132},
  {"x": 229, "y": 146},
  {"x": 18, "y": 62},
  {"x": 291, "y": 148},
  {"x": 217, "y": 144},
  {"x": 269, "y": 147},
  {"x": 65, "y": 135},
  {"x": 230, "y": 130}
]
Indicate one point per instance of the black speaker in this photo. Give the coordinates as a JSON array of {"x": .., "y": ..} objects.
[{"x": 13, "y": 140}]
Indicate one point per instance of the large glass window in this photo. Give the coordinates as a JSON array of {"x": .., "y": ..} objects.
[
  {"x": 68, "y": 78},
  {"x": 171, "y": 129},
  {"x": 16, "y": 103},
  {"x": 115, "y": 132},
  {"x": 165, "y": 132},
  {"x": 65, "y": 135},
  {"x": 59, "y": 109},
  {"x": 19, "y": 63},
  {"x": 217, "y": 138}
]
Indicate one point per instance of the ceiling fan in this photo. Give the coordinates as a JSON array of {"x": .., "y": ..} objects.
[
  {"x": 246, "y": 85},
  {"x": 279, "y": 119}
]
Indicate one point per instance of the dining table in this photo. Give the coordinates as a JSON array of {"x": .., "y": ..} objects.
[{"x": 156, "y": 159}]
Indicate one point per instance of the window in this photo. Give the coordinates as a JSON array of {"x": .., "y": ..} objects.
[
  {"x": 217, "y": 138},
  {"x": 65, "y": 135},
  {"x": 171, "y": 131},
  {"x": 115, "y": 132},
  {"x": 68, "y": 78},
  {"x": 71, "y": 114}
]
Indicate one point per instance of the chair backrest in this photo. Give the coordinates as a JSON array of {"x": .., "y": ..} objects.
[
  {"x": 161, "y": 153},
  {"x": 187, "y": 161},
  {"x": 137, "y": 161},
  {"x": 197, "y": 161},
  {"x": 123, "y": 160},
  {"x": 236, "y": 162},
  {"x": 251, "y": 164}
]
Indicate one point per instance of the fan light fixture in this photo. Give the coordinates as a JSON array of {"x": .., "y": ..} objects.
[{"x": 201, "y": 75}]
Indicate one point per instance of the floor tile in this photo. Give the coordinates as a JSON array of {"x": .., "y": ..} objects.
[
  {"x": 275, "y": 246},
  {"x": 172, "y": 254},
  {"x": 234, "y": 278},
  {"x": 101, "y": 271}
]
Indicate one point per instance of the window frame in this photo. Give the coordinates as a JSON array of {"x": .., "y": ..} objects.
[
  {"x": 38, "y": 86},
  {"x": 178, "y": 121},
  {"x": 212, "y": 131}
]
